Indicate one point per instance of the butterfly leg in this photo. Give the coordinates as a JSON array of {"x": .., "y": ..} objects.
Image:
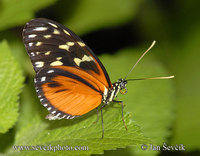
[
  {"x": 121, "y": 102},
  {"x": 102, "y": 120},
  {"x": 97, "y": 116}
]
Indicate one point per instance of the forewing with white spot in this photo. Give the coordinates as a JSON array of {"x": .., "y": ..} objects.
[{"x": 45, "y": 40}]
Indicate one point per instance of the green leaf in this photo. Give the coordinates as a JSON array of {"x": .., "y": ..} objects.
[
  {"x": 11, "y": 81},
  {"x": 150, "y": 102},
  {"x": 90, "y": 15},
  {"x": 15, "y": 12}
]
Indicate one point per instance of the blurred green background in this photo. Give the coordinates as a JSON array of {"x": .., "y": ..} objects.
[{"x": 108, "y": 27}]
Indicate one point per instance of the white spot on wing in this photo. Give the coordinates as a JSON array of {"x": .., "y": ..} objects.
[
  {"x": 56, "y": 63},
  {"x": 66, "y": 32},
  {"x": 52, "y": 117},
  {"x": 45, "y": 105},
  {"x": 41, "y": 100},
  {"x": 47, "y": 36},
  {"x": 70, "y": 43},
  {"x": 55, "y": 26},
  {"x": 64, "y": 46},
  {"x": 50, "y": 71},
  {"x": 32, "y": 54},
  {"x": 38, "y": 44},
  {"x": 47, "y": 53},
  {"x": 49, "y": 108},
  {"x": 72, "y": 117},
  {"x": 30, "y": 44},
  {"x": 40, "y": 29},
  {"x": 85, "y": 58},
  {"x": 58, "y": 58},
  {"x": 81, "y": 43},
  {"x": 43, "y": 79},
  {"x": 32, "y": 36},
  {"x": 58, "y": 114},
  {"x": 53, "y": 112},
  {"x": 56, "y": 32},
  {"x": 39, "y": 64}
]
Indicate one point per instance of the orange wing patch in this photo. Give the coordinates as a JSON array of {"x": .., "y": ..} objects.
[
  {"x": 90, "y": 77},
  {"x": 71, "y": 96}
]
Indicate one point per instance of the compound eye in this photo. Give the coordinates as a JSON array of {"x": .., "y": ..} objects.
[
  {"x": 123, "y": 91},
  {"x": 122, "y": 85}
]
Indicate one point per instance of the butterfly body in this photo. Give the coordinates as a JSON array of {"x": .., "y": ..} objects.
[
  {"x": 70, "y": 80},
  {"x": 112, "y": 92}
]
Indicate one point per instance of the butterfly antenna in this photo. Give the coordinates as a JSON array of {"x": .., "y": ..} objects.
[
  {"x": 153, "y": 43},
  {"x": 153, "y": 78}
]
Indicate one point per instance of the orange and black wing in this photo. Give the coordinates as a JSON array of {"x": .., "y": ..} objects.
[{"x": 70, "y": 80}]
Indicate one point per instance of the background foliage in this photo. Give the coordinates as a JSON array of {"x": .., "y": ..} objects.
[{"x": 119, "y": 31}]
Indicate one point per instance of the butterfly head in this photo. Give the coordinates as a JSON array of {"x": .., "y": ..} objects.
[{"x": 122, "y": 86}]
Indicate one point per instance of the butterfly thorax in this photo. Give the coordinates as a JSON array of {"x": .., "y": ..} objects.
[{"x": 111, "y": 93}]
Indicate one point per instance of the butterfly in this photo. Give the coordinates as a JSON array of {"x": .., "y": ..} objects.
[{"x": 70, "y": 80}]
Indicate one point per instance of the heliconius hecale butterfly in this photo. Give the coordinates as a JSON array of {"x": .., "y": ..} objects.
[{"x": 70, "y": 79}]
